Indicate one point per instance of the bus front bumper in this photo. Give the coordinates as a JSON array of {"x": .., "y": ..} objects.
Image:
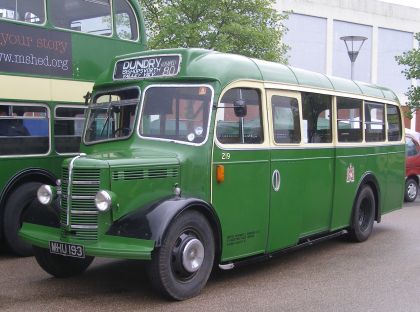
[{"x": 107, "y": 246}]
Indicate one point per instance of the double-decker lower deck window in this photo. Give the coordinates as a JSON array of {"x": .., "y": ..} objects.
[
  {"x": 24, "y": 129},
  {"x": 68, "y": 127},
  {"x": 176, "y": 113}
]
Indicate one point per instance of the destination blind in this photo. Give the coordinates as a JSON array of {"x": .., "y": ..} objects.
[{"x": 148, "y": 67}]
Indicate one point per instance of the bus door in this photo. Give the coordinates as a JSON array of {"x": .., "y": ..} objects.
[
  {"x": 302, "y": 164},
  {"x": 241, "y": 170}
]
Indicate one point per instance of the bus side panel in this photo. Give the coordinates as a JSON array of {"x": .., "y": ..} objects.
[
  {"x": 349, "y": 160},
  {"x": 395, "y": 179},
  {"x": 351, "y": 166},
  {"x": 302, "y": 206},
  {"x": 242, "y": 201}
]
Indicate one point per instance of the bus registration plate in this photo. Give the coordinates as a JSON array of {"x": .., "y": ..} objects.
[{"x": 65, "y": 249}]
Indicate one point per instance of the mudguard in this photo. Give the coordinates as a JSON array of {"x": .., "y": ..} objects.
[{"x": 152, "y": 222}]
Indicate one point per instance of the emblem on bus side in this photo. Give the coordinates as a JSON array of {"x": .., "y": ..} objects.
[
  {"x": 350, "y": 174},
  {"x": 148, "y": 67}
]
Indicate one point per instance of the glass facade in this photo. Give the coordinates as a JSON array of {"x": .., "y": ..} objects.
[{"x": 307, "y": 39}]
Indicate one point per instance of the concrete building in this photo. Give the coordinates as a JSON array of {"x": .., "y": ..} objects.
[{"x": 315, "y": 28}]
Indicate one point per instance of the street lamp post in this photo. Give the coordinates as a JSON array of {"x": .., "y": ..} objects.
[{"x": 353, "y": 45}]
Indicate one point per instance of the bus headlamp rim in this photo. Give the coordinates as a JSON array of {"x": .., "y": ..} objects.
[
  {"x": 103, "y": 201},
  {"x": 46, "y": 194}
]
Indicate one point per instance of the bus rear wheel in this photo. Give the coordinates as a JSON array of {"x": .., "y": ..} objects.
[
  {"x": 60, "y": 266},
  {"x": 182, "y": 265},
  {"x": 14, "y": 214},
  {"x": 363, "y": 215}
]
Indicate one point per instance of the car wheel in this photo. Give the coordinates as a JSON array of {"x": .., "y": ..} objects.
[{"x": 411, "y": 189}]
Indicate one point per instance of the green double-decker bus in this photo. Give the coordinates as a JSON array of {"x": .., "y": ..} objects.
[
  {"x": 51, "y": 51},
  {"x": 192, "y": 158}
]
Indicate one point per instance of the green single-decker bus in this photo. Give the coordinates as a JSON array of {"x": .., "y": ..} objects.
[{"x": 192, "y": 158}]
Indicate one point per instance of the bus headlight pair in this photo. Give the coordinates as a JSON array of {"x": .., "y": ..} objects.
[{"x": 103, "y": 199}]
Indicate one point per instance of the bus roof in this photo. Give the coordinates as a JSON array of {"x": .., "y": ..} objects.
[{"x": 200, "y": 64}]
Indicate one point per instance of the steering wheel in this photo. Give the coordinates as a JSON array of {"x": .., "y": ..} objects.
[{"x": 124, "y": 131}]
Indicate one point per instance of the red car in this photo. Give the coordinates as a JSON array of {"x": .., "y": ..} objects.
[{"x": 412, "y": 168}]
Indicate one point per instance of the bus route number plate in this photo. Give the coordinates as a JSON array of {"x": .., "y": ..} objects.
[
  {"x": 68, "y": 250},
  {"x": 148, "y": 67}
]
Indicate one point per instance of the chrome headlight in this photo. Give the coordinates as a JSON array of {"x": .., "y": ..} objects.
[
  {"x": 46, "y": 194},
  {"x": 103, "y": 201}
]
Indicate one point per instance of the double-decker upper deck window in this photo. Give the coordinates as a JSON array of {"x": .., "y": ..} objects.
[
  {"x": 68, "y": 128},
  {"x": 239, "y": 117},
  {"x": 24, "y": 129},
  {"x": 349, "y": 120},
  {"x": 286, "y": 121},
  {"x": 93, "y": 17},
  {"x": 394, "y": 123},
  {"x": 374, "y": 122},
  {"x": 112, "y": 116},
  {"x": 176, "y": 113},
  {"x": 29, "y": 11},
  {"x": 125, "y": 20},
  {"x": 317, "y": 121}
]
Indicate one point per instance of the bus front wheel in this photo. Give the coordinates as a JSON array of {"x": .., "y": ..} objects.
[
  {"x": 60, "y": 266},
  {"x": 14, "y": 214},
  {"x": 182, "y": 265},
  {"x": 363, "y": 215}
]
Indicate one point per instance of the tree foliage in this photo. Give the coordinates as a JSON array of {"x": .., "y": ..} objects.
[
  {"x": 248, "y": 27},
  {"x": 411, "y": 60}
]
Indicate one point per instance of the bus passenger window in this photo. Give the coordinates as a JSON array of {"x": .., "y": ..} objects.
[
  {"x": 24, "y": 130},
  {"x": 234, "y": 129},
  {"x": 29, "y": 11},
  {"x": 285, "y": 119},
  {"x": 93, "y": 17},
  {"x": 374, "y": 122},
  {"x": 394, "y": 123},
  {"x": 317, "y": 121},
  {"x": 125, "y": 21},
  {"x": 68, "y": 127},
  {"x": 349, "y": 120}
]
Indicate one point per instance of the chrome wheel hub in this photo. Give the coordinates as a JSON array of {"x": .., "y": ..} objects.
[
  {"x": 193, "y": 255},
  {"x": 412, "y": 190}
]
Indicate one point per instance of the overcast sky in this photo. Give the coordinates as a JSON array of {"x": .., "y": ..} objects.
[{"x": 412, "y": 3}]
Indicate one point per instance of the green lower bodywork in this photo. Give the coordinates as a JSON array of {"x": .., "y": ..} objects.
[{"x": 108, "y": 246}]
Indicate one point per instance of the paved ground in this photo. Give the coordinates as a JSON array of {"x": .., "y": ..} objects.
[{"x": 382, "y": 274}]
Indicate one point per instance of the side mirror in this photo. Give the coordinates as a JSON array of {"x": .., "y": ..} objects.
[{"x": 239, "y": 107}]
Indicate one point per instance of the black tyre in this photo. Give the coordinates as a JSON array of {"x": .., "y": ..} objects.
[
  {"x": 60, "y": 266},
  {"x": 182, "y": 265},
  {"x": 14, "y": 215},
  {"x": 363, "y": 215},
  {"x": 411, "y": 189}
]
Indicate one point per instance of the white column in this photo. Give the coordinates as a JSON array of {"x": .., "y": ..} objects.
[
  {"x": 374, "y": 69},
  {"x": 330, "y": 46}
]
